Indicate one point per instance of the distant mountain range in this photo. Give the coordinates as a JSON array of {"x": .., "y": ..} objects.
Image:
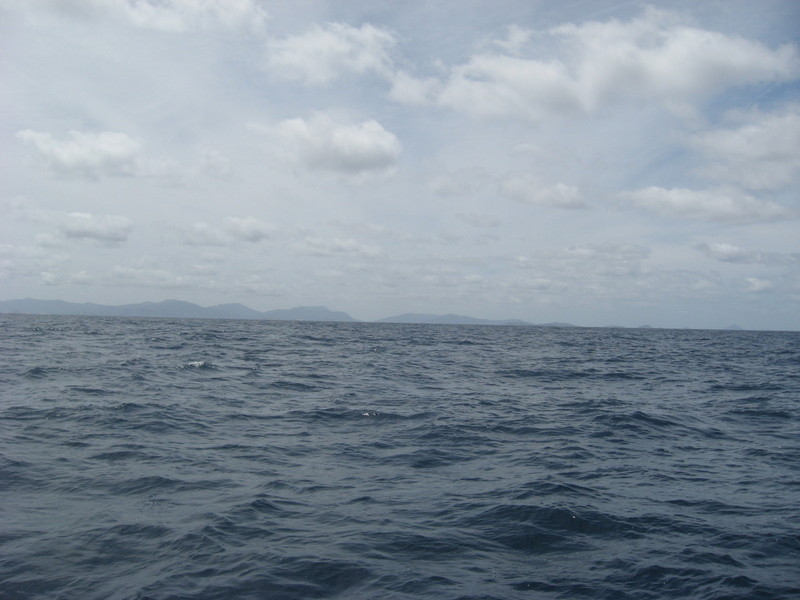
[{"x": 178, "y": 309}]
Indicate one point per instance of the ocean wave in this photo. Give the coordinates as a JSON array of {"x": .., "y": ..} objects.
[{"x": 165, "y": 459}]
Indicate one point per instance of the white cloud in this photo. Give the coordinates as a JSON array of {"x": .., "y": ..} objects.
[
  {"x": 203, "y": 234},
  {"x": 233, "y": 229},
  {"x": 336, "y": 246},
  {"x": 720, "y": 204},
  {"x": 81, "y": 278},
  {"x": 214, "y": 164},
  {"x": 591, "y": 272},
  {"x": 516, "y": 39},
  {"x": 506, "y": 86},
  {"x": 148, "y": 276},
  {"x": 61, "y": 278},
  {"x": 73, "y": 225},
  {"x": 585, "y": 264},
  {"x": 534, "y": 284},
  {"x": 27, "y": 262},
  {"x": 380, "y": 233},
  {"x": 96, "y": 155},
  {"x": 727, "y": 253},
  {"x": 10, "y": 251},
  {"x": 754, "y": 284},
  {"x": 349, "y": 149},
  {"x": 657, "y": 57},
  {"x": 47, "y": 240},
  {"x": 459, "y": 183},
  {"x": 248, "y": 229},
  {"x": 107, "y": 228},
  {"x": 762, "y": 153},
  {"x": 651, "y": 58},
  {"x": 731, "y": 253},
  {"x": 410, "y": 90},
  {"x": 86, "y": 154},
  {"x": 479, "y": 219},
  {"x": 162, "y": 15},
  {"x": 607, "y": 252},
  {"x": 323, "y": 54},
  {"x": 606, "y": 259},
  {"x": 188, "y": 15},
  {"x": 448, "y": 185},
  {"x": 526, "y": 189}
]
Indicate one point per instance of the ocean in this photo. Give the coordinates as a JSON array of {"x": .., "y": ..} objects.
[{"x": 167, "y": 458}]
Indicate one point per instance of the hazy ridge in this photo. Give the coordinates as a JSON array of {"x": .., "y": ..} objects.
[
  {"x": 171, "y": 309},
  {"x": 178, "y": 309}
]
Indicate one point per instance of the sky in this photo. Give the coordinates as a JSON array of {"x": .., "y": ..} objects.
[{"x": 595, "y": 162}]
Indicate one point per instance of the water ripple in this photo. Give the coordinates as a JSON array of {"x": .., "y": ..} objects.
[{"x": 163, "y": 459}]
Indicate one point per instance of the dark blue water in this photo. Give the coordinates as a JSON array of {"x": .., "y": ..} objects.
[{"x": 147, "y": 458}]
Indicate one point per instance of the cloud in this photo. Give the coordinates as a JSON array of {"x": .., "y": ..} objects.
[
  {"x": 49, "y": 278},
  {"x": 381, "y": 233},
  {"x": 107, "y": 228},
  {"x": 516, "y": 39},
  {"x": 760, "y": 154},
  {"x": 61, "y": 278},
  {"x": 754, "y": 284},
  {"x": 247, "y": 229},
  {"x": 530, "y": 191},
  {"x": 410, "y": 90},
  {"x": 233, "y": 229},
  {"x": 214, "y": 164},
  {"x": 728, "y": 253},
  {"x": 735, "y": 254},
  {"x": 595, "y": 64},
  {"x": 81, "y": 278},
  {"x": 47, "y": 240},
  {"x": 323, "y": 54},
  {"x": 96, "y": 155},
  {"x": 478, "y": 219},
  {"x": 348, "y": 149},
  {"x": 189, "y": 15},
  {"x": 506, "y": 86},
  {"x": 162, "y": 15},
  {"x": 73, "y": 225},
  {"x": 28, "y": 262},
  {"x": 338, "y": 246},
  {"x": 605, "y": 259},
  {"x": 719, "y": 204},
  {"x": 581, "y": 263},
  {"x": 628, "y": 275},
  {"x": 86, "y": 154},
  {"x": 151, "y": 277},
  {"x": 203, "y": 234},
  {"x": 607, "y": 252},
  {"x": 459, "y": 183},
  {"x": 10, "y": 251},
  {"x": 655, "y": 57}
]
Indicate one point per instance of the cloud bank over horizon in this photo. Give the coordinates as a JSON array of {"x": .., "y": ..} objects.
[{"x": 602, "y": 163}]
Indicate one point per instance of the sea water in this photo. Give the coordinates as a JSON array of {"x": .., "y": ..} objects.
[{"x": 160, "y": 458}]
